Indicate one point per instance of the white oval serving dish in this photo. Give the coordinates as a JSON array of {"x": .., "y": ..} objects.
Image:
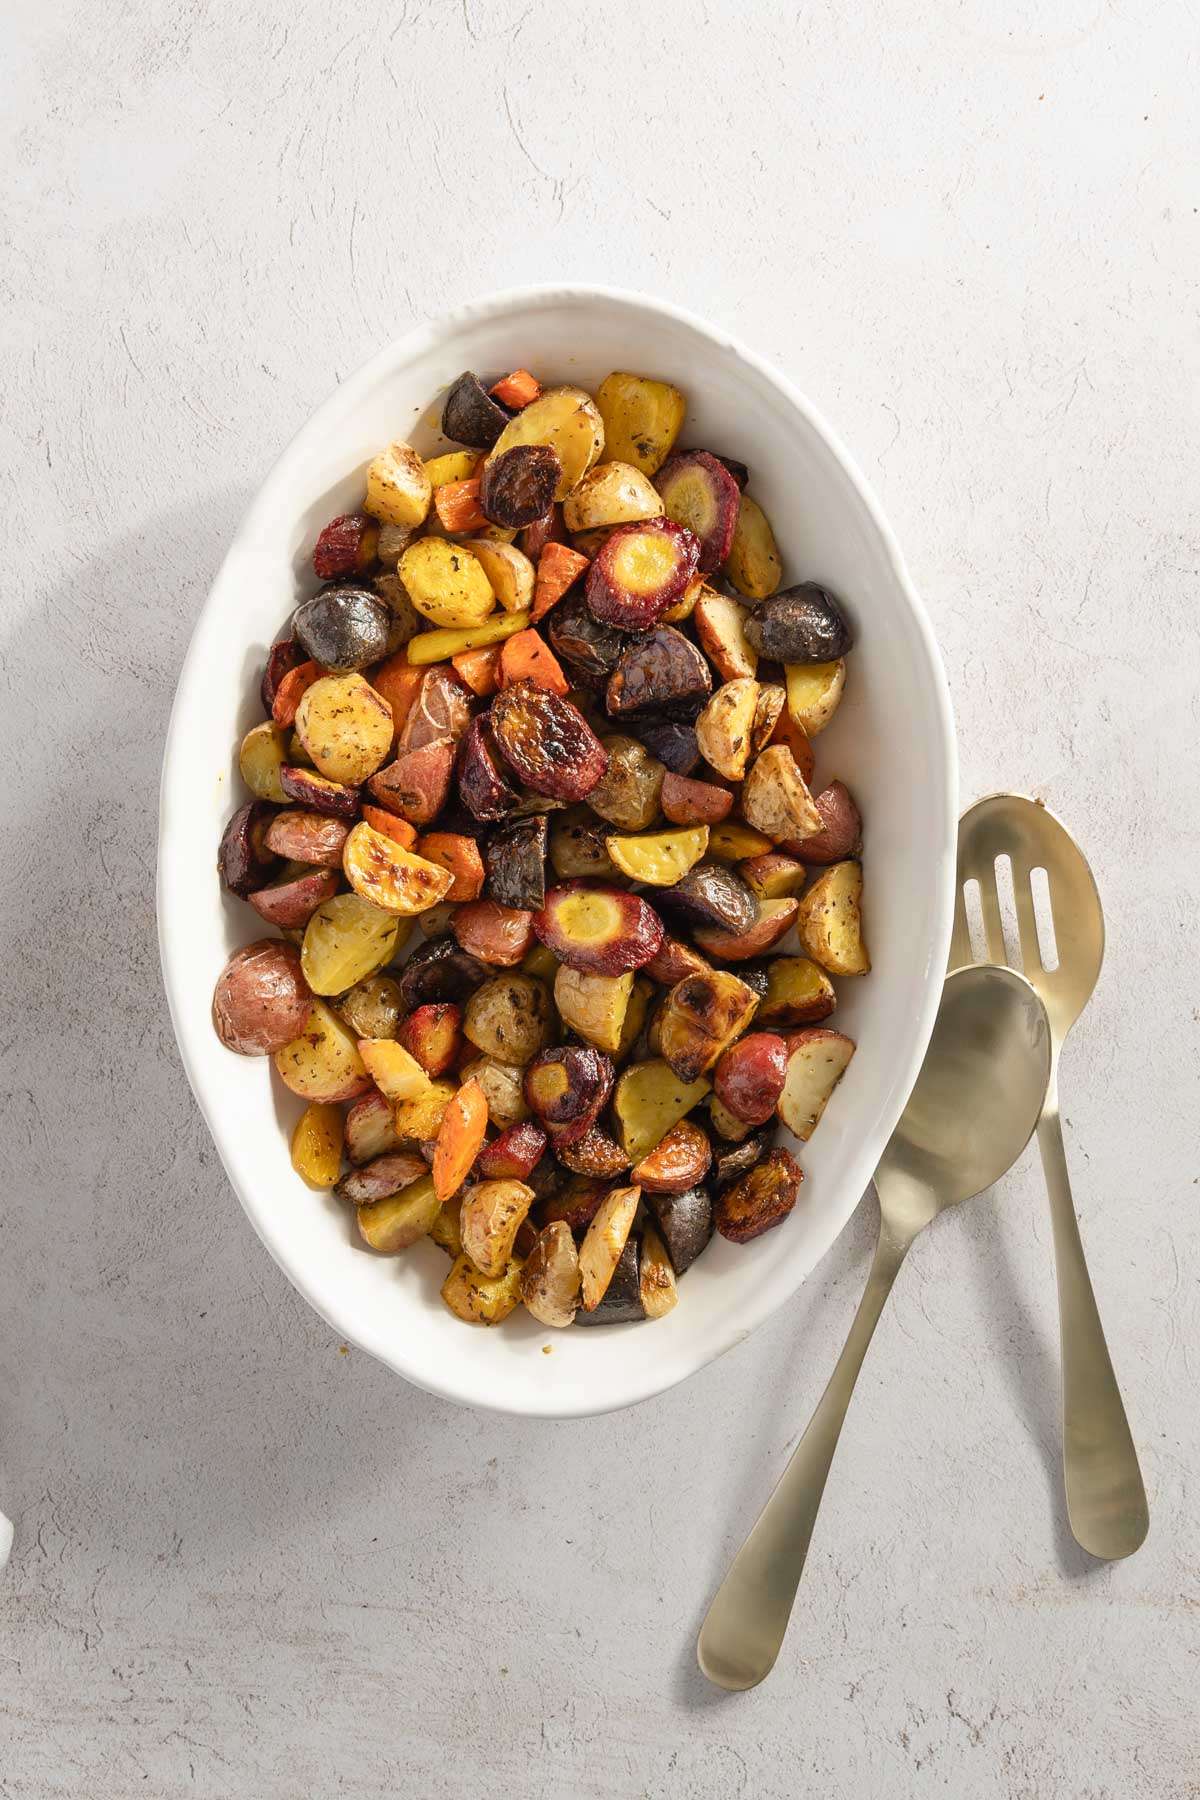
[{"x": 892, "y": 741}]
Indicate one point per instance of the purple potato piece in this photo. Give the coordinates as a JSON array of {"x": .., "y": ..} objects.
[
  {"x": 661, "y": 672},
  {"x": 711, "y": 894},
  {"x": 672, "y": 741},
  {"x": 320, "y": 794},
  {"x": 515, "y": 859},
  {"x": 438, "y": 972},
  {"x": 470, "y": 415},
  {"x": 622, "y": 1302},
  {"x": 730, "y": 1165},
  {"x": 517, "y": 487},
  {"x": 482, "y": 788},
  {"x": 243, "y": 860},
  {"x": 345, "y": 627},
  {"x": 589, "y": 649},
  {"x": 686, "y": 1223},
  {"x": 802, "y": 624}
]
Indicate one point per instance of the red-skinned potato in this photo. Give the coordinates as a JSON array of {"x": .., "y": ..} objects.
[
  {"x": 499, "y": 935},
  {"x": 687, "y": 802},
  {"x": 640, "y": 572},
  {"x": 546, "y": 741},
  {"x": 434, "y": 1035},
  {"x": 775, "y": 919},
  {"x": 370, "y": 1128},
  {"x": 596, "y": 928},
  {"x": 817, "y": 1060},
  {"x": 761, "y": 1199},
  {"x": 318, "y": 794},
  {"x": 673, "y": 960},
  {"x": 515, "y": 1154},
  {"x": 749, "y": 1076},
  {"x": 773, "y": 876},
  {"x": 699, "y": 492},
  {"x": 840, "y": 835},
  {"x": 567, "y": 1088},
  {"x": 308, "y": 837},
  {"x": 382, "y": 1176},
  {"x": 416, "y": 784},
  {"x": 291, "y": 903},
  {"x": 261, "y": 1000},
  {"x": 680, "y": 1161}
]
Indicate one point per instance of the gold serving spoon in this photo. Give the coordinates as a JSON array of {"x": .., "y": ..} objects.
[
  {"x": 970, "y": 1115},
  {"x": 1106, "y": 1499}
]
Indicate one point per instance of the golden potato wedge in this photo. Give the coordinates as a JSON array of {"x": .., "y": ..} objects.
[
  {"x": 726, "y": 1124},
  {"x": 503, "y": 1089},
  {"x": 446, "y": 583},
  {"x": 390, "y": 877},
  {"x": 396, "y": 1074},
  {"x": 814, "y": 691},
  {"x": 396, "y": 1223},
  {"x": 509, "y": 1018},
  {"x": 577, "y": 845},
  {"x": 720, "y": 625},
  {"x": 455, "y": 465},
  {"x": 491, "y": 1215},
  {"x": 550, "y": 1278},
  {"x": 817, "y": 1060},
  {"x": 725, "y": 727},
  {"x": 445, "y": 1230},
  {"x": 642, "y": 419},
  {"x": 603, "y": 1242},
  {"x": 440, "y": 646},
  {"x": 733, "y": 841},
  {"x": 323, "y": 1063},
  {"x": 263, "y": 753},
  {"x": 798, "y": 993},
  {"x": 398, "y": 487},
  {"x": 317, "y": 1144},
  {"x": 773, "y": 876},
  {"x": 613, "y": 493},
  {"x": 478, "y": 1299},
  {"x": 594, "y": 1005},
  {"x": 753, "y": 565},
  {"x": 659, "y": 858},
  {"x": 703, "y": 1014},
  {"x": 656, "y": 1277},
  {"x": 772, "y": 700},
  {"x": 776, "y": 800},
  {"x": 648, "y": 1099},
  {"x": 829, "y": 921},
  {"x": 420, "y": 1119},
  {"x": 346, "y": 726},
  {"x": 346, "y": 940},
  {"x": 509, "y": 571},
  {"x": 568, "y": 420}
]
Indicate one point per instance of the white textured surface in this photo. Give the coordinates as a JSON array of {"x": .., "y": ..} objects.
[{"x": 247, "y": 1565}]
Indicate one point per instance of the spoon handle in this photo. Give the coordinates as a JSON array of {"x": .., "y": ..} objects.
[
  {"x": 1106, "y": 1500},
  {"x": 745, "y": 1626}
]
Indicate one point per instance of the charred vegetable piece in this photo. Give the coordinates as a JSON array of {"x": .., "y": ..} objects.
[
  {"x": 686, "y": 1223},
  {"x": 598, "y": 928},
  {"x": 802, "y": 624},
  {"x": 261, "y": 1000},
  {"x": 595, "y": 1154},
  {"x": 738, "y": 470},
  {"x": 588, "y": 648},
  {"x": 649, "y": 1099},
  {"x": 433, "y": 1034},
  {"x": 518, "y": 485},
  {"x": 578, "y": 846},
  {"x": 546, "y": 742},
  {"x": 509, "y": 1017},
  {"x": 282, "y": 658},
  {"x": 700, "y": 493},
  {"x": 307, "y": 837},
  {"x": 761, "y": 1199},
  {"x": 567, "y": 1089},
  {"x": 515, "y": 857},
  {"x": 245, "y": 858},
  {"x": 660, "y": 673},
  {"x": 840, "y": 835},
  {"x": 603, "y": 1242},
  {"x": 515, "y": 1154},
  {"x": 566, "y": 419},
  {"x": 343, "y": 628},
  {"x": 749, "y": 1076},
  {"x": 640, "y": 572},
  {"x": 656, "y": 1277},
  {"x": 483, "y": 788},
  {"x": 319, "y": 794},
  {"x": 733, "y": 1162},
  {"x": 550, "y": 1278},
  {"x": 622, "y": 1302},
  {"x": 712, "y": 894},
  {"x": 673, "y": 743},
  {"x": 673, "y": 960},
  {"x": 470, "y": 415},
  {"x": 458, "y": 854},
  {"x": 439, "y": 972},
  {"x": 390, "y": 877},
  {"x": 679, "y": 1162},
  {"x": 703, "y": 1014}
]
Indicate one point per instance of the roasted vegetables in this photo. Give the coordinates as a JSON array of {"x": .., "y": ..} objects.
[{"x": 541, "y": 1080}]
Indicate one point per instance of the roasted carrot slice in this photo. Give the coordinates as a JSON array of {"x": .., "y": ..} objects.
[
  {"x": 480, "y": 669},
  {"x": 457, "y": 505},
  {"x": 400, "y": 830},
  {"x": 290, "y": 690},
  {"x": 517, "y": 390},
  {"x": 559, "y": 567},
  {"x": 399, "y": 682},
  {"x": 459, "y": 1139},
  {"x": 460, "y": 855},
  {"x": 526, "y": 658}
]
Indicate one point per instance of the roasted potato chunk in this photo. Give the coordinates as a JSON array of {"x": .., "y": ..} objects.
[
  {"x": 814, "y": 692},
  {"x": 753, "y": 564},
  {"x": 479, "y": 1299},
  {"x": 446, "y": 583},
  {"x": 686, "y": 1223},
  {"x": 817, "y": 1060},
  {"x": 509, "y": 1018},
  {"x": 401, "y": 1220},
  {"x": 829, "y": 920},
  {"x": 656, "y": 1277},
  {"x": 613, "y": 493},
  {"x": 550, "y": 1278},
  {"x": 798, "y": 993},
  {"x": 390, "y": 877},
  {"x": 804, "y": 624},
  {"x": 317, "y": 1145},
  {"x": 262, "y": 1000},
  {"x": 346, "y": 727},
  {"x": 603, "y": 1243},
  {"x": 679, "y": 1162},
  {"x": 322, "y": 1062},
  {"x": 627, "y": 794},
  {"x": 725, "y": 728},
  {"x": 503, "y": 1088},
  {"x": 642, "y": 418},
  {"x": 346, "y": 940},
  {"x": 760, "y": 1200},
  {"x": 398, "y": 489},
  {"x": 703, "y": 1014},
  {"x": 491, "y": 1214},
  {"x": 775, "y": 799},
  {"x": 774, "y": 920},
  {"x": 659, "y": 858},
  {"x": 566, "y": 419},
  {"x": 372, "y": 1008},
  {"x": 648, "y": 1099}
]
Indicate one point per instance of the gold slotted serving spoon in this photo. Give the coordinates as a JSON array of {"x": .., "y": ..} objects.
[{"x": 1106, "y": 1500}]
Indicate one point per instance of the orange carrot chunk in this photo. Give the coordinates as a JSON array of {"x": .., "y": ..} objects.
[
  {"x": 517, "y": 389},
  {"x": 457, "y": 505},
  {"x": 458, "y": 854},
  {"x": 526, "y": 658},
  {"x": 559, "y": 567},
  {"x": 399, "y": 830},
  {"x": 459, "y": 1139},
  {"x": 480, "y": 669},
  {"x": 399, "y": 682},
  {"x": 290, "y": 690}
]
